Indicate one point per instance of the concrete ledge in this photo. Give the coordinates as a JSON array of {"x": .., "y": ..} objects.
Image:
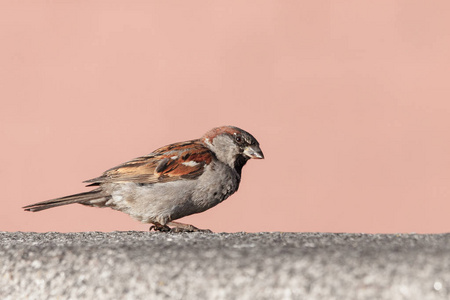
[{"x": 145, "y": 265}]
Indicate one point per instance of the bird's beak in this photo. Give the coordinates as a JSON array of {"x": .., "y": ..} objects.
[{"x": 253, "y": 151}]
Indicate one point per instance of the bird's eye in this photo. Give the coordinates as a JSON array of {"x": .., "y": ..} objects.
[{"x": 238, "y": 138}]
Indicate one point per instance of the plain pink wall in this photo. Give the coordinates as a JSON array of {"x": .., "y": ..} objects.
[{"x": 350, "y": 101}]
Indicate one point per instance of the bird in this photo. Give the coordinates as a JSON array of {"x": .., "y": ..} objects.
[{"x": 171, "y": 182}]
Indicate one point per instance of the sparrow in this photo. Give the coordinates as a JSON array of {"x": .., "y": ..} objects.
[{"x": 173, "y": 181}]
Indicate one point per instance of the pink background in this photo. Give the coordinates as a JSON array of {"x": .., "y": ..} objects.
[{"x": 350, "y": 101}]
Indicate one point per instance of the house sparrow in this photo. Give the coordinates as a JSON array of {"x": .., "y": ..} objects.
[{"x": 172, "y": 182}]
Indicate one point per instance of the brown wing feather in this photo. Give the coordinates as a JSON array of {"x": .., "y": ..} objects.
[{"x": 177, "y": 161}]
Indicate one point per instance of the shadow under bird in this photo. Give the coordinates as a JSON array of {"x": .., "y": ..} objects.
[{"x": 172, "y": 182}]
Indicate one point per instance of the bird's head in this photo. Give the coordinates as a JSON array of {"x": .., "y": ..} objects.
[{"x": 233, "y": 146}]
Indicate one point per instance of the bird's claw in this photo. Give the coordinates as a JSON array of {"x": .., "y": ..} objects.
[
  {"x": 160, "y": 228},
  {"x": 190, "y": 229},
  {"x": 177, "y": 228}
]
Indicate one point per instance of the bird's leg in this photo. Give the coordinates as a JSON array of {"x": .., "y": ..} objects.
[
  {"x": 159, "y": 227},
  {"x": 180, "y": 227}
]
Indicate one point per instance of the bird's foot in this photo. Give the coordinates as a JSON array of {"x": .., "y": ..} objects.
[
  {"x": 160, "y": 228},
  {"x": 180, "y": 227}
]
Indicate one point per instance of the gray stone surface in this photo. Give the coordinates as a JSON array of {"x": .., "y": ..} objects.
[{"x": 148, "y": 265}]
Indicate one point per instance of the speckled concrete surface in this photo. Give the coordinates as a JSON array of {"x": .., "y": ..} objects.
[{"x": 148, "y": 265}]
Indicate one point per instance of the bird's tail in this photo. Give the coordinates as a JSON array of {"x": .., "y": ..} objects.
[{"x": 87, "y": 198}]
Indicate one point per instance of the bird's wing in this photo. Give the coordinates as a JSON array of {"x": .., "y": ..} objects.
[{"x": 185, "y": 160}]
